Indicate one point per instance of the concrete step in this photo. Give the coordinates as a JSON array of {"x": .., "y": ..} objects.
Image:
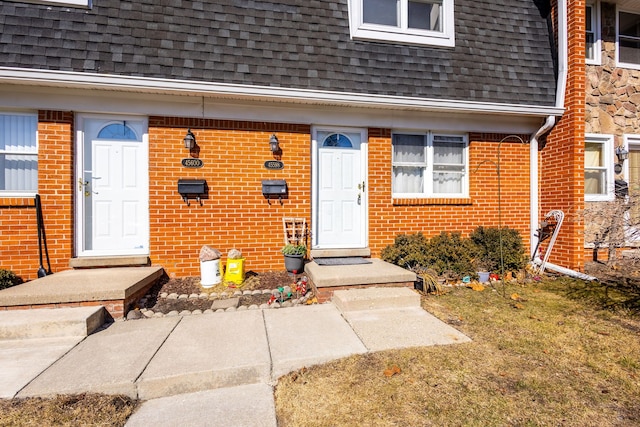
[
  {"x": 51, "y": 322},
  {"x": 375, "y": 298}
]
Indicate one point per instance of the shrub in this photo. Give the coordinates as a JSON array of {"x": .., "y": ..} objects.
[
  {"x": 486, "y": 252},
  {"x": 445, "y": 252},
  {"x": 8, "y": 279}
]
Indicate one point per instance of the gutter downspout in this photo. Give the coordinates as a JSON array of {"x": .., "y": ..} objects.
[{"x": 548, "y": 125}]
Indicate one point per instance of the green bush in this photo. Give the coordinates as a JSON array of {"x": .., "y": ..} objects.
[
  {"x": 8, "y": 279},
  {"x": 486, "y": 241},
  {"x": 445, "y": 252},
  {"x": 450, "y": 252}
]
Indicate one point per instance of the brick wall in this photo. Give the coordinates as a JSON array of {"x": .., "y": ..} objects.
[
  {"x": 562, "y": 158},
  {"x": 19, "y": 235},
  {"x": 389, "y": 217},
  {"x": 236, "y": 215}
]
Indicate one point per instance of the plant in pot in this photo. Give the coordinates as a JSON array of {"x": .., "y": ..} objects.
[
  {"x": 483, "y": 268},
  {"x": 294, "y": 257}
]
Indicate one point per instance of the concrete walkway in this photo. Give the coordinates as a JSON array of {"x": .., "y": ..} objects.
[{"x": 195, "y": 369}]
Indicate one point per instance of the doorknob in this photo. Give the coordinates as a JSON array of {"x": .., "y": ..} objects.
[{"x": 82, "y": 184}]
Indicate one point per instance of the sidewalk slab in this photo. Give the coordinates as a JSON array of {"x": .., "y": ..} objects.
[
  {"x": 245, "y": 405},
  {"x": 209, "y": 351},
  {"x": 386, "y": 329},
  {"x": 375, "y": 298},
  {"x": 22, "y": 360},
  {"x": 51, "y": 322},
  {"x": 304, "y": 336},
  {"x": 109, "y": 361}
]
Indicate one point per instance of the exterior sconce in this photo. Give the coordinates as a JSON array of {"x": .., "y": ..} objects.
[
  {"x": 621, "y": 153},
  {"x": 273, "y": 144},
  {"x": 189, "y": 140}
]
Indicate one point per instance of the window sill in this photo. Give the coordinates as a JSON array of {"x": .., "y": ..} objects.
[
  {"x": 431, "y": 201},
  {"x": 17, "y": 201}
]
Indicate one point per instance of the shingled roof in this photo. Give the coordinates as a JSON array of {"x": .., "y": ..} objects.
[{"x": 502, "y": 52}]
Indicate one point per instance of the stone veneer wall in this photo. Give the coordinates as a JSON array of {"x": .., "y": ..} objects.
[{"x": 612, "y": 93}]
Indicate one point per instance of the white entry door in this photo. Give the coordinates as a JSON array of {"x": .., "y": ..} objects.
[
  {"x": 340, "y": 189},
  {"x": 112, "y": 187}
]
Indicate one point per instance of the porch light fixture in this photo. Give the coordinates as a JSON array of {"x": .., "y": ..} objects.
[
  {"x": 189, "y": 140},
  {"x": 621, "y": 153},
  {"x": 273, "y": 144}
]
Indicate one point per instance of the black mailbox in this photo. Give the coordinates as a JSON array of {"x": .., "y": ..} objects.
[
  {"x": 274, "y": 189},
  {"x": 621, "y": 188},
  {"x": 192, "y": 189}
]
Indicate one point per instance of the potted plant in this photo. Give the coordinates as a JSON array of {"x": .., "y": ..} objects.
[{"x": 294, "y": 257}]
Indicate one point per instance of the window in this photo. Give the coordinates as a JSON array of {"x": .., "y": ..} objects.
[
  {"x": 72, "y": 3},
  {"x": 598, "y": 168},
  {"x": 18, "y": 154},
  {"x": 425, "y": 22},
  {"x": 629, "y": 39},
  {"x": 431, "y": 165},
  {"x": 592, "y": 18}
]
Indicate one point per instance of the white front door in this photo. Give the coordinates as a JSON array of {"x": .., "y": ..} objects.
[
  {"x": 112, "y": 187},
  {"x": 340, "y": 196}
]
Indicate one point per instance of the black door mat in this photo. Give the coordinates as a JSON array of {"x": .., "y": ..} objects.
[{"x": 353, "y": 260}]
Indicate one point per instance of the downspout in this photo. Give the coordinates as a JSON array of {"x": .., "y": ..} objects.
[{"x": 548, "y": 124}]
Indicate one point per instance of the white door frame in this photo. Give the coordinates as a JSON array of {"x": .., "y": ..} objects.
[
  {"x": 364, "y": 156},
  {"x": 79, "y": 217}
]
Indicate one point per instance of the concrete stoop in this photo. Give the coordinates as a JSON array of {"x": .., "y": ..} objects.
[
  {"x": 375, "y": 298},
  {"x": 51, "y": 322}
]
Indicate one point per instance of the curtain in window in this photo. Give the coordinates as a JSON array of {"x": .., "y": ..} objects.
[
  {"x": 634, "y": 187},
  {"x": 595, "y": 180},
  {"x": 448, "y": 165},
  {"x": 18, "y": 153},
  {"x": 409, "y": 158}
]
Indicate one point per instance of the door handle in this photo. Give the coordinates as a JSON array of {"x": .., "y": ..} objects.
[{"x": 359, "y": 198}]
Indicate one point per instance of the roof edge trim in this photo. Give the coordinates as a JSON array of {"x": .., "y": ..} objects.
[{"x": 267, "y": 93}]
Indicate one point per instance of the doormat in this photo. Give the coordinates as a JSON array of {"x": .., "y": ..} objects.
[{"x": 352, "y": 260}]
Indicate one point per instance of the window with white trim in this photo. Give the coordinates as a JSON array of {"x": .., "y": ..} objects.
[
  {"x": 18, "y": 154},
  {"x": 430, "y": 165},
  {"x": 72, "y": 3},
  {"x": 628, "y": 29},
  {"x": 592, "y": 23},
  {"x": 598, "y": 168},
  {"x": 424, "y": 22}
]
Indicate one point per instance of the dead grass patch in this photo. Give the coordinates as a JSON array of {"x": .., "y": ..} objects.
[
  {"x": 67, "y": 410},
  {"x": 539, "y": 359}
]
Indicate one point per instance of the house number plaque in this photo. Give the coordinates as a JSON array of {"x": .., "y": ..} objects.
[
  {"x": 274, "y": 164},
  {"x": 192, "y": 163}
]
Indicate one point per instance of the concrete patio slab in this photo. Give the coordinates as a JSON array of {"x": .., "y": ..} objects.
[
  {"x": 209, "y": 351},
  {"x": 51, "y": 322},
  {"x": 393, "y": 328},
  {"x": 109, "y": 361},
  {"x": 304, "y": 336},
  {"x": 245, "y": 405},
  {"x": 81, "y": 285},
  {"x": 22, "y": 360}
]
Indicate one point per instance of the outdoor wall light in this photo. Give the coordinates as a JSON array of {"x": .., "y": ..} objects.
[
  {"x": 189, "y": 140},
  {"x": 273, "y": 144},
  {"x": 621, "y": 153}
]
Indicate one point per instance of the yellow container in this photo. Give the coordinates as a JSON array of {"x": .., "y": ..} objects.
[{"x": 235, "y": 271}]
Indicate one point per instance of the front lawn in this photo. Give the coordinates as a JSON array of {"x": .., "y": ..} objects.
[{"x": 538, "y": 357}]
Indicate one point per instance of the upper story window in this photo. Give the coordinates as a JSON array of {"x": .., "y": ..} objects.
[
  {"x": 628, "y": 39},
  {"x": 598, "y": 168},
  {"x": 72, "y": 3},
  {"x": 431, "y": 165},
  {"x": 18, "y": 154},
  {"x": 592, "y": 23},
  {"x": 424, "y": 22}
]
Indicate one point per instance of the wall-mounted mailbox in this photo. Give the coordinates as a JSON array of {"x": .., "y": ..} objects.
[
  {"x": 192, "y": 189},
  {"x": 274, "y": 189}
]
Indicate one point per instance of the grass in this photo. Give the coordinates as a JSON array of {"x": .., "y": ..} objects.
[
  {"x": 67, "y": 410},
  {"x": 546, "y": 355},
  {"x": 537, "y": 358}
]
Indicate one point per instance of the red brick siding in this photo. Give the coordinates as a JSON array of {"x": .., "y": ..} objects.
[
  {"x": 562, "y": 159},
  {"x": 19, "y": 236}
]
